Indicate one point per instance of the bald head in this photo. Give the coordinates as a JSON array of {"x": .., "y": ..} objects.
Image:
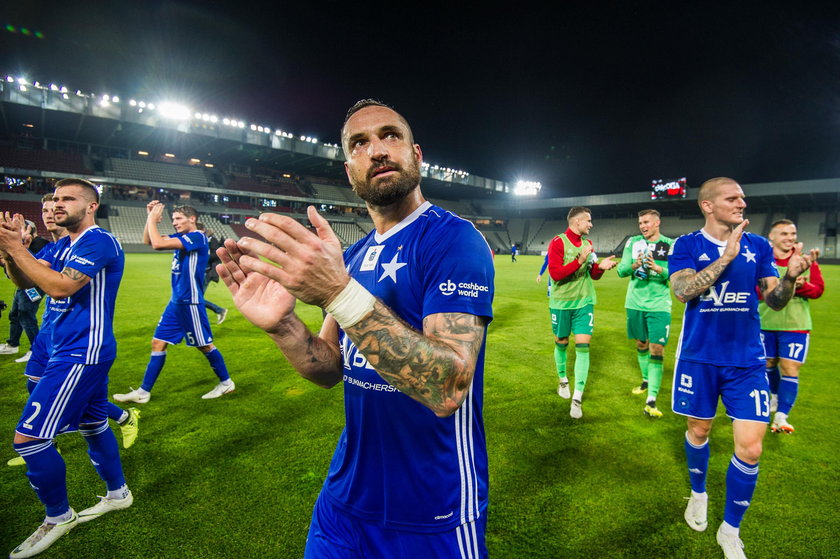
[{"x": 710, "y": 189}]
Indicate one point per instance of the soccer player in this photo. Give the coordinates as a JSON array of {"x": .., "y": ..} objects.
[
  {"x": 648, "y": 302},
  {"x": 81, "y": 277},
  {"x": 715, "y": 271},
  {"x": 572, "y": 265},
  {"x": 786, "y": 333},
  {"x": 408, "y": 307},
  {"x": 184, "y": 316},
  {"x": 128, "y": 420}
]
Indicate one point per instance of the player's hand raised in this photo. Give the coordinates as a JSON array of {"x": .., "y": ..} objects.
[
  {"x": 585, "y": 251},
  {"x": 798, "y": 263},
  {"x": 261, "y": 300},
  {"x": 733, "y": 244}
]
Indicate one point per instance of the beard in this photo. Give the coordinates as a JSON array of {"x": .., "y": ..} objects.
[
  {"x": 389, "y": 190},
  {"x": 69, "y": 220}
]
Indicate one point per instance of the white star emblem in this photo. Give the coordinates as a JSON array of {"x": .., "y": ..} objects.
[
  {"x": 390, "y": 268},
  {"x": 660, "y": 252},
  {"x": 750, "y": 256}
]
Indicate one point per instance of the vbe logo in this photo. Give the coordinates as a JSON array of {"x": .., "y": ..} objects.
[{"x": 724, "y": 296}]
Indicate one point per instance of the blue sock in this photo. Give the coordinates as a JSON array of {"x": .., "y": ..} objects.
[
  {"x": 104, "y": 453},
  {"x": 773, "y": 378},
  {"x": 741, "y": 479},
  {"x": 698, "y": 464},
  {"x": 153, "y": 370},
  {"x": 115, "y": 412},
  {"x": 218, "y": 364},
  {"x": 31, "y": 384},
  {"x": 47, "y": 474},
  {"x": 788, "y": 390}
]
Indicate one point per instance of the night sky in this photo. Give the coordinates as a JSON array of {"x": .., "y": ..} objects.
[{"x": 584, "y": 97}]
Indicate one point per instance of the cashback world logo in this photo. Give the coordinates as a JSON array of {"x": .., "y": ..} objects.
[{"x": 465, "y": 289}]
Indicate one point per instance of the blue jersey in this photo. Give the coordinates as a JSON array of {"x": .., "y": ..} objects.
[
  {"x": 82, "y": 324},
  {"x": 722, "y": 326},
  {"x": 188, "y": 266},
  {"x": 396, "y": 462}
]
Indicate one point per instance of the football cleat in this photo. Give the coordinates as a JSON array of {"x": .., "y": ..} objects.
[
  {"x": 105, "y": 505},
  {"x": 130, "y": 427},
  {"x": 222, "y": 316},
  {"x": 733, "y": 547},
  {"x": 219, "y": 390},
  {"x": 25, "y": 357},
  {"x": 16, "y": 461},
  {"x": 641, "y": 389},
  {"x": 651, "y": 411},
  {"x": 780, "y": 424},
  {"x": 695, "y": 513},
  {"x": 43, "y": 537},
  {"x": 6, "y": 349},
  {"x": 563, "y": 389},
  {"x": 134, "y": 396},
  {"x": 577, "y": 410}
]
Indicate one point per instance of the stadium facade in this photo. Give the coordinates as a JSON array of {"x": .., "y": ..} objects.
[{"x": 230, "y": 170}]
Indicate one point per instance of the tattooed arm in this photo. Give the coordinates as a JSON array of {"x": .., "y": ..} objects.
[
  {"x": 434, "y": 367},
  {"x": 688, "y": 284},
  {"x": 778, "y": 292}
]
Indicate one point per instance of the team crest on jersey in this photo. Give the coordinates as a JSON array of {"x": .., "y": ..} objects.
[{"x": 371, "y": 258}]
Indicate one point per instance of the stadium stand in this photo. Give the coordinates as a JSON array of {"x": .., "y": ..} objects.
[
  {"x": 168, "y": 173},
  {"x": 39, "y": 159},
  {"x": 29, "y": 210}
]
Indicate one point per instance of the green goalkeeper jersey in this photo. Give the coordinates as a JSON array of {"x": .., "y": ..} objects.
[{"x": 648, "y": 291}]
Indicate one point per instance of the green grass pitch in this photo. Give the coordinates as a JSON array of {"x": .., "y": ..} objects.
[{"x": 237, "y": 476}]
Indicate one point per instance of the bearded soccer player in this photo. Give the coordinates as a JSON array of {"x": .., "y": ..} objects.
[
  {"x": 786, "y": 334},
  {"x": 128, "y": 420},
  {"x": 82, "y": 279},
  {"x": 648, "y": 302},
  {"x": 715, "y": 271},
  {"x": 184, "y": 316},
  {"x": 572, "y": 265},
  {"x": 407, "y": 312}
]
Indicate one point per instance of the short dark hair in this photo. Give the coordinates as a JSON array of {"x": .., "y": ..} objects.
[
  {"x": 576, "y": 211},
  {"x": 649, "y": 211},
  {"x": 47, "y": 197},
  {"x": 198, "y": 225},
  {"x": 364, "y": 103},
  {"x": 188, "y": 211},
  {"x": 781, "y": 222},
  {"x": 87, "y": 185}
]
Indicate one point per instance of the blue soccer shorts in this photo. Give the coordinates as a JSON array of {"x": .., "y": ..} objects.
[
  {"x": 68, "y": 394},
  {"x": 792, "y": 346},
  {"x": 333, "y": 534},
  {"x": 744, "y": 391},
  {"x": 37, "y": 363},
  {"x": 181, "y": 321}
]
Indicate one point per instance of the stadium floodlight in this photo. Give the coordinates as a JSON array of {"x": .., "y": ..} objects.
[
  {"x": 214, "y": 119},
  {"x": 63, "y": 89},
  {"x": 141, "y": 152},
  {"x": 21, "y": 81},
  {"x": 115, "y": 99},
  {"x": 254, "y": 127},
  {"x": 53, "y": 87},
  {"x": 169, "y": 155},
  {"x": 240, "y": 124},
  {"x": 226, "y": 121},
  {"x": 23, "y": 88},
  {"x": 10, "y": 79},
  {"x": 526, "y": 188},
  {"x": 198, "y": 116},
  {"x": 65, "y": 96},
  {"x": 173, "y": 111},
  {"x": 152, "y": 107}
]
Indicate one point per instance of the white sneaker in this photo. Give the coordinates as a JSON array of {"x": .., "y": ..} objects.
[
  {"x": 222, "y": 316},
  {"x": 133, "y": 396},
  {"x": 563, "y": 389},
  {"x": 219, "y": 390},
  {"x": 43, "y": 537},
  {"x": 6, "y": 349},
  {"x": 733, "y": 547},
  {"x": 25, "y": 357},
  {"x": 695, "y": 513},
  {"x": 105, "y": 505},
  {"x": 774, "y": 403},
  {"x": 576, "y": 411}
]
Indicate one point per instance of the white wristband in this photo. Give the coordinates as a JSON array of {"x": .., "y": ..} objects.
[{"x": 352, "y": 304}]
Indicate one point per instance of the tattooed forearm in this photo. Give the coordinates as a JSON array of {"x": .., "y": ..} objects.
[
  {"x": 777, "y": 296},
  {"x": 435, "y": 367},
  {"x": 315, "y": 358},
  {"x": 73, "y": 274},
  {"x": 688, "y": 284}
]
